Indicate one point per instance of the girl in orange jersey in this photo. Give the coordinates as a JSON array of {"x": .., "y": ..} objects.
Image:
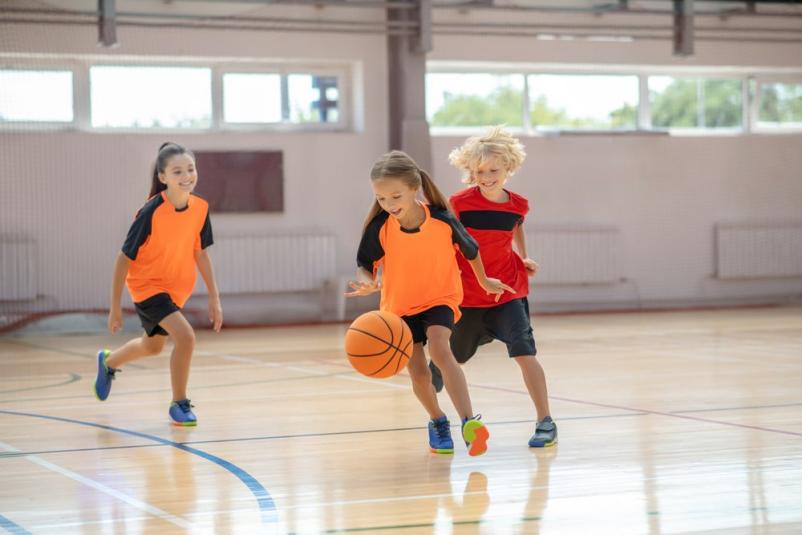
[
  {"x": 414, "y": 243},
  {"x": 165, "y": 245}
]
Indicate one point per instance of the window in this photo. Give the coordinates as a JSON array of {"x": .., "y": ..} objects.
[
  {"x": 35, "y": 96},
  {"x": 695, "y": 102},
  {"x": 313, "y": 99},
  {"x": 150, "y": 97},
  {"x": 474, "y": 99},
  {"x": 780, "y": 105},
  {"x": 583, "y": 102},
  {"x": 298, "y": 98},
  {"x": 251, "y": 98}
]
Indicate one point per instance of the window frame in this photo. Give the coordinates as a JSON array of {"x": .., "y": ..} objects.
[
  {"x": 29, "y": 64},
  {"x": 758, "y": 82},
  {"x": 284, "y": 70}
]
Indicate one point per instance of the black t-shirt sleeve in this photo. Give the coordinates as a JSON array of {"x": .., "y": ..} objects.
[
  {"x": 206, "y": 238},
  {"x": 467, "y": 245},
  {"x": 140, "y": 228},
  {"x": 370, "y": 246}
]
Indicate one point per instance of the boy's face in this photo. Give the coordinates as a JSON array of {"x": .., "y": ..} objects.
[{"x": 490, "y": 175}]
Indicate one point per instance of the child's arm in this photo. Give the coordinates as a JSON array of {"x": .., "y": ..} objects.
[
  {"x": 491, "y": 285},
  {"x": 115, "y": 321},
  {"x": 207, "y": 272},
  {"x": 519, "y": 238}
]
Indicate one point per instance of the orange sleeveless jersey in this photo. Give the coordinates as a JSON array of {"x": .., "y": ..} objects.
[
  {"x": 419, "y": 266},
  {"x": 161, "y": 244}
]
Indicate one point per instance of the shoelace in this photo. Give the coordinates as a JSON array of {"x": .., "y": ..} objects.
[
  {"x": 184, "y": 405},
  {"x": 113, "y": 372},
  {"x": 442, "y": 429}
]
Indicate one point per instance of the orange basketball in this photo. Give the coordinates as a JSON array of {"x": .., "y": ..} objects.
[{"x": 379, "y": 344}]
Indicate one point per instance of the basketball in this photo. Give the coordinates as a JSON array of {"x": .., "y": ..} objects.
[{"x": 379, "y": 344}]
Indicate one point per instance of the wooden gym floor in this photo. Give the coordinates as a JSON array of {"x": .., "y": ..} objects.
[{"x": 669, "y": 422}]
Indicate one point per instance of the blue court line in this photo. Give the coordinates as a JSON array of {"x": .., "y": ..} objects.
[
  {"x": 267, "y": 507},
  {"x": 11, "y": 527},
  {"x": 73, "y": 378},
  {"x": 299, "y": 435}
]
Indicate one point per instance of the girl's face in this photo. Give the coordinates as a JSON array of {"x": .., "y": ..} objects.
[
  {"x": 490, "y": 175},
  {"x": 394, "y": 196},
  {"x": 180, "y": 173}
]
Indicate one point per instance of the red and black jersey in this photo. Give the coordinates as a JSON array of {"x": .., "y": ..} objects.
[
  {"x": 492, "y": 225},
  {"x": 419, "y": 266},
  {"x": 161, "y": 244}
]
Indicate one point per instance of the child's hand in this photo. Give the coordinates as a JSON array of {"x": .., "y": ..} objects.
[
  {"x": 495, "y": 286},
  {"x": 531, "y": 267},
  {"x": 115, "y": 322},
  {"x": 215, "y": 313},
  {"x": 362, "y": 288}
]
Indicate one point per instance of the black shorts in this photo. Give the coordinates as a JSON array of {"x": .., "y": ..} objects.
[
  {"x": 153, "y": 310},
  {"x": 508, "y": 323},
  {"x": 437, "y": 315}
]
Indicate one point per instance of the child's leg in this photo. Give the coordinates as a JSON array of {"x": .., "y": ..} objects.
[
  {"x": 144, "y": 346},
  {"x": 535, "y": 380},
  {"x": 453, "y": 378},
  {"x": 422, "y": 382},
  {"x": 183, "y": 337}
]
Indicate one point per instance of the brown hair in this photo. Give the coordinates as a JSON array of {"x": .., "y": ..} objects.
[{"x": 398, "y": 165}]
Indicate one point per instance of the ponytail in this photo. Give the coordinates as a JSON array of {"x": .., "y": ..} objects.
[
  {"x": 431, "y": 193},
  {"x": 166, "y": 151}
]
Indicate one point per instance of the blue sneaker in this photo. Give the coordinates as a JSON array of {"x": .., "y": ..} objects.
[
  {"x": 475, "y": 435},
  {"x": 181, "y": 413},
  {"x": 105, "y": 375},
  {"x": 440, "y": 436},
  {"x": 545, "y": 434}
]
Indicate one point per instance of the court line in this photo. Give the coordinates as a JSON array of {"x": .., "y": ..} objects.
[
  {"x": 267, "y": 507},
  {"x": 479, "y": 522},
  {"x": 133, "y": 502},
  {"x": 73, "y": 378},
  {"x": 158, "y": 390},
  {"x": 12, "y": 527},
  {"x": 299, "y": 435},
  {"x": 648, "y": 411},
  {"x": 93, "y": 356}
]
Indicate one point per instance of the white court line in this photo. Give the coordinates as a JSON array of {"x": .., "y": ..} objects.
[
  {"x": 308, "y": 371},
  {"x": 155, "y": 511}
]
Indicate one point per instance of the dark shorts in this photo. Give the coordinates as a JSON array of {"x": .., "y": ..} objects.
[
  {"x": 508, "y": 323},
  {"x": 437, "y": 315},
  {"x": 153, "y": 310}
]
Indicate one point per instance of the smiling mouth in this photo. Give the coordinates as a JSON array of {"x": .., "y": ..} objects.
[{"x": 395, "y": 212}]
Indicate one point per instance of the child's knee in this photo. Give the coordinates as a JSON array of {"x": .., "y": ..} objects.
[
  {"x": 184, "y": 338},
  {"x": 153, "y": 344}
]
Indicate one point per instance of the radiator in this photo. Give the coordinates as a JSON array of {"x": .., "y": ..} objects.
[
  {"x": 577, "y": 255},
  {"x": 17, "y": 269},
  {"x": 261, "y": 263},
  {"x": 767, "y": 250}
]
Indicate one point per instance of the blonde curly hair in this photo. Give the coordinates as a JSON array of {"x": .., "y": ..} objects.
[{"x": 496, "y": 142}]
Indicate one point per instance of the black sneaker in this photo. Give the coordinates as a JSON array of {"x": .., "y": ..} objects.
[
  {"x": 437, "y": 377},
  {"x": 545, "y": 434}
]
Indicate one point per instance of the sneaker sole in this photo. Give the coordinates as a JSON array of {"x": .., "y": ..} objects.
[
  {"x": 476, "y": 434},
  {"x": 442, "y": 451},
  {"x": 104, "y": 353},
  {"x": 183, "y": 424},
  {"x": 544, "y": 444}
]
